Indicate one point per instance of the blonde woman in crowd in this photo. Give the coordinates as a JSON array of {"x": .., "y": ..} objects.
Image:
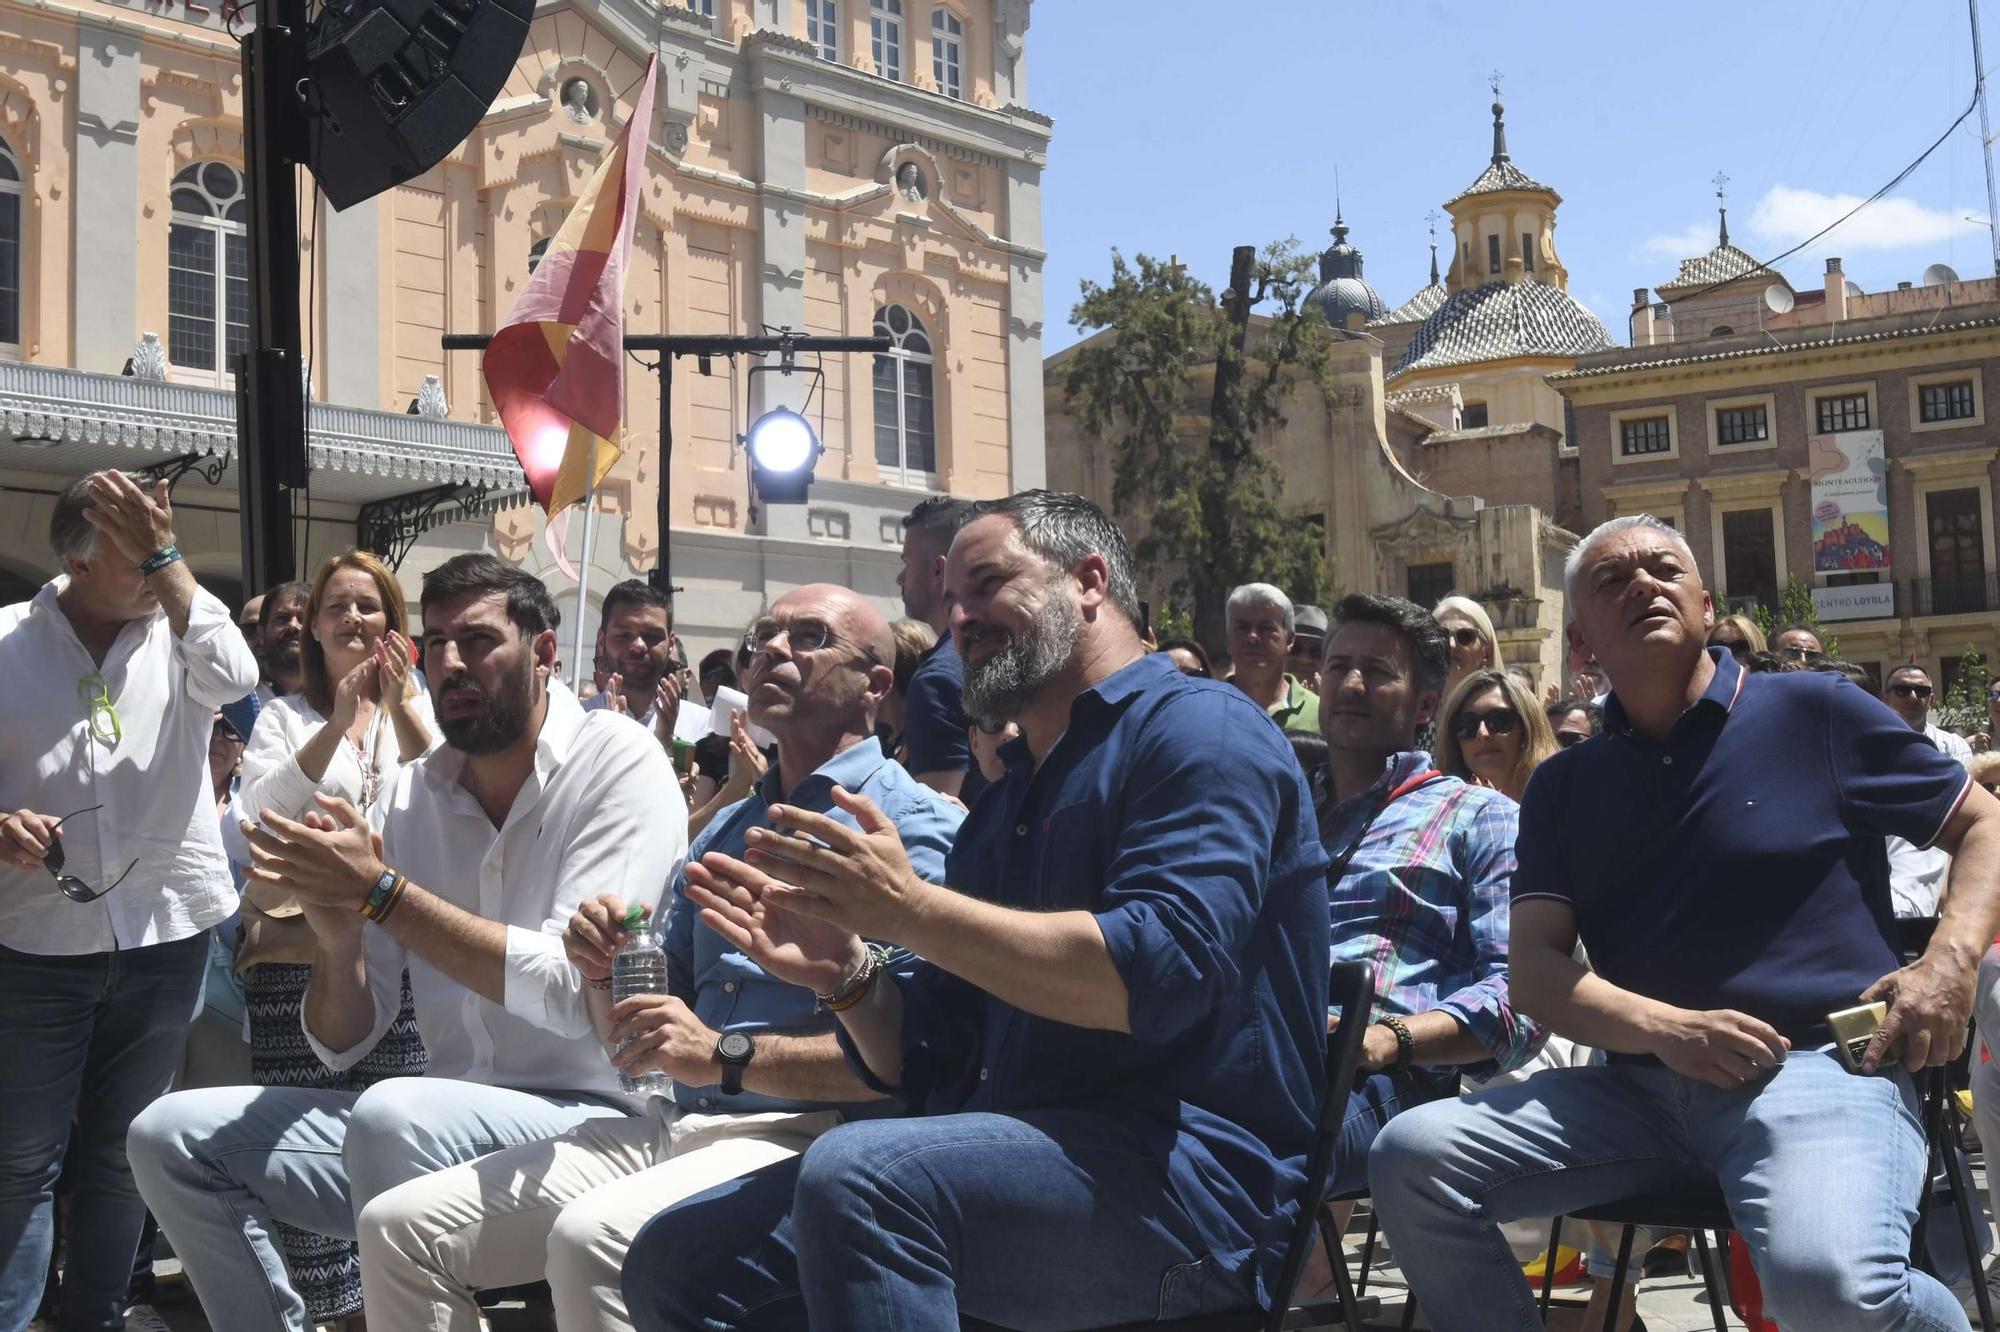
[
  {"x": 1738, "y": 633},
  {"x": 1492, "y": 732},
  {"x": 1474, "y": 645},
  {"x": 360, "y": 715}
]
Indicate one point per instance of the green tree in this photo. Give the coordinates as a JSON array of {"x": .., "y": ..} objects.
[
  {"x": 1963, "y": 707},
  {"x": 1794, "y": 607},
  {"x": 1211, "y": 498}
]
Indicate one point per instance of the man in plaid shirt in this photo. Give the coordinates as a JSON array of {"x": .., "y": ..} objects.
[{"x": 1422, "y": 869}]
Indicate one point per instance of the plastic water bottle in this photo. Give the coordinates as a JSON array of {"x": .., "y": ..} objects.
[{"x": 640, "y": 968}]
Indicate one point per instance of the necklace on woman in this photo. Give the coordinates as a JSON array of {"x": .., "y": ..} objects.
[{"x": 368, "y": 758}]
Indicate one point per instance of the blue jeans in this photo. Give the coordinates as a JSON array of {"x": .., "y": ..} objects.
[
  {"x": 1377, "y": 1099},
  {"x": 87, "y": 1041},
  {"x": 1822, "y": 1171},
  {"x": 1054, "y": 1219},
  {"x": 219, "y": 1165}
]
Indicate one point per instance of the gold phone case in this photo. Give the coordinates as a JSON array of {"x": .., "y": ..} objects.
[{"x": 1853, "y": 1028}]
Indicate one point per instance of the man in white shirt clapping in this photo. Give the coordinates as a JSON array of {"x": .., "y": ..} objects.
[
  {"x": 487, "y": 847},
  {"x": 111, "y": 873}
]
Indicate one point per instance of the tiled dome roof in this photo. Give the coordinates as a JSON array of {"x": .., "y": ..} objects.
[
  {"x": 1420, "y": 306},
  {"x": 1501, "y": 320},
  {"x": 1341, "y": 291}
]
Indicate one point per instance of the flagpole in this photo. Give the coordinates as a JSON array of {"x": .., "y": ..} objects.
[{"x": 583, "y": 570}]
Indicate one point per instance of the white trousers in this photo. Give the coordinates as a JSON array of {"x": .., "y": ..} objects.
[{"x": 565, "y": 1210}]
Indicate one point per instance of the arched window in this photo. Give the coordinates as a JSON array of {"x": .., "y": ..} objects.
[
  {"x": 905, "y": 405},
  {"x": 536, "y": 251},
  {"x": 208, "y": 269},
  {"x": 948, "y": 52},
  {"x": 10, "y": 246},
  {"x": 885, "y": 37}
]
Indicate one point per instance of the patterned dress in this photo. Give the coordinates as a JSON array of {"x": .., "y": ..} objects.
[{"x": 325, "y": 1271}]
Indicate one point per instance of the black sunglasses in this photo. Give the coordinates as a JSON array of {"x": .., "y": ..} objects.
[
  {"x": 1498, "y": 721},
  {"x": 1465, "y": 637},
  {"x": 1737, "y": 647},
  {"x": 75, "y": 889},
  {"x": 1564, "y": 739},
  {"x": 992, "y": 728},
  {"x": 1911, "y": 690},
  {"x": 1797, "y": 653}
]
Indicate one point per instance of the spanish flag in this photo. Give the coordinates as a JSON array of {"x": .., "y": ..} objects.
[{"x": 556, "y": 365}]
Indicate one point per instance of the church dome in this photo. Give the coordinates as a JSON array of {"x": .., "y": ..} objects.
[
  {"x": 1341, "y": 291},
  {"x": 1501, "y": 320}
]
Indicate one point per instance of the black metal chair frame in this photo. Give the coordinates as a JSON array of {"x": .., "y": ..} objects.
[
  {"x": 1941, "y": 1133},
  {"x": 1352, "y": 990}
]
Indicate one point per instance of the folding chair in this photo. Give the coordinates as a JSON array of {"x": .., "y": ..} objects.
[{"x": 1352, "y": 990}]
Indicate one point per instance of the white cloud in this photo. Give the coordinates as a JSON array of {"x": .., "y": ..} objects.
[
  {"x": 1785, "y": 216},
  {"x": 1696, "y": 239}
]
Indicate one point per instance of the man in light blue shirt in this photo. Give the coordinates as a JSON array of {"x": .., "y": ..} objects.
[{"x": 728, "y": 1033}]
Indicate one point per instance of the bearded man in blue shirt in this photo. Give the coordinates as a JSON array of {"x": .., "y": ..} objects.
[
  {"x": 1719, "y": 853},
  {"x": 1114, "y": 1050}
]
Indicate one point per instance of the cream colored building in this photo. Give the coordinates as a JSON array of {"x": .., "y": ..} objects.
[{"x": 828, "y": 165}]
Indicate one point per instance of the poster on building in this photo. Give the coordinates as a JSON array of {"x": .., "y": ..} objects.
[{"x": 1850, "y": 502}]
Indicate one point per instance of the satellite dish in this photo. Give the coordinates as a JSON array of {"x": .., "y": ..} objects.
[
  {"x": 1854, "y": 292},
  {"x": 1939, "y": 275},
  {"x": 1778, "y": 298}
]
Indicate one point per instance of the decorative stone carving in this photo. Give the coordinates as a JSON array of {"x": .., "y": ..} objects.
[
  {"x": 430, "y": 399},
  {"x": 910, "y": 182},
  {"x": 149, "y": 359},
  {"x": 579, "y": 101},
  {"x": 676, "y": 137}
]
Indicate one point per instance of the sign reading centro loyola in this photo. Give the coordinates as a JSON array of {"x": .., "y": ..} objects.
[
  {"x": 1860, "y": 601},
  {"x": 1850, "y": 502}
]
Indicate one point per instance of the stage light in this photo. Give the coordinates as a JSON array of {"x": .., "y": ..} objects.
[{"x": 783, "y": 450}]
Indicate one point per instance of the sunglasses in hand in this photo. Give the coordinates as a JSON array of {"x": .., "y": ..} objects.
[{"x": 75, "y": 889}]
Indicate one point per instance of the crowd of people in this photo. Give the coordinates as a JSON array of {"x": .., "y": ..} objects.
[{"x": 996, "y": 940}]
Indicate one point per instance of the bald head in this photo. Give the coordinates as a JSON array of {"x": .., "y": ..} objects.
[{"x": 837, "y": 686}]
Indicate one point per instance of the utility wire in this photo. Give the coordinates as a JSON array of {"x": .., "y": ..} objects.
[{"x": 1769, "y": 265}]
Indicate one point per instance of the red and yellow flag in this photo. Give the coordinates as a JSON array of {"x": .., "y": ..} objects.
[{"x": 556, "y": 366}]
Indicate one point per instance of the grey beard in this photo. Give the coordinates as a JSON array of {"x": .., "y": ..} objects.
[{"x": 999, "y": 687}]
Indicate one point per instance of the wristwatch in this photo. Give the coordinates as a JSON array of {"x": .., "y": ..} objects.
[{"x": 733, "y": 1051}]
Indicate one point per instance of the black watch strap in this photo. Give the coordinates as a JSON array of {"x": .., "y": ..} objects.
[{"x": 733, "y": 1050}]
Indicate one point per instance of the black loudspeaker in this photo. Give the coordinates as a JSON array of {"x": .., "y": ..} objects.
[{"x": 398, "y": 84}]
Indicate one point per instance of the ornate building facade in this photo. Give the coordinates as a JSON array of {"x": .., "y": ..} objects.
[{"x": 834, "y": 166}]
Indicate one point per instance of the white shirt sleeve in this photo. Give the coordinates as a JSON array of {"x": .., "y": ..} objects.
[
  {"x": 272, "y": 777},
  {"x": 627, "y": 836},
  {"x": 386, "y": 959},
  {"x": 219, "y": 664}
]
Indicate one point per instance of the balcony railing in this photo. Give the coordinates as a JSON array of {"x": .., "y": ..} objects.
[{"x": 1962, "y": 594}]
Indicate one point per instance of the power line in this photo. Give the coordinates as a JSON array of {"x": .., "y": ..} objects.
[{"x": 1770, "y": 265}]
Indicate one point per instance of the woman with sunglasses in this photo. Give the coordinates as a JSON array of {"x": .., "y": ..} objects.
[
  {"x": 1738, "y": 633},
  {"x": 360, "y": 715},
  {"x": 1474, "y": 645},
  {"x": 1492, "y": 733}
]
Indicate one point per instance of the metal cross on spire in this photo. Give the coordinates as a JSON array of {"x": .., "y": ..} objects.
[
  {"x": 1721, "y": 183},
  {"x": 1432, "y": 219},
  {"x": 1493, "y": 81}
]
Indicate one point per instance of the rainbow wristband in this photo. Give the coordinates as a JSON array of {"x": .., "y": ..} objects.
[{"x": 159, "y": 560}]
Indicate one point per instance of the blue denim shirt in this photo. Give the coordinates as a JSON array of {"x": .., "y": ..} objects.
[
  {"x": 1173, "y": 811},
  {"x": 727, "y": 988}
]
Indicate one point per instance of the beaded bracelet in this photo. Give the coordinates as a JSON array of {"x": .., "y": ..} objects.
[{"x": 159, "y": 560}]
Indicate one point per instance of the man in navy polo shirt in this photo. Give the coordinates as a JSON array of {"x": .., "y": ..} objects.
[
  {"x": 1720, "y": 855},
  {"x": 1115, "y": 1048}
]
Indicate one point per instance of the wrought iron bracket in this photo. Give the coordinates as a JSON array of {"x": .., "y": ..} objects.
[
  {"x": 208, "y": 464},
  {"x": 389, "y": 527}
]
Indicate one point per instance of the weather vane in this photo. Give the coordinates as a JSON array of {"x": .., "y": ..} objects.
[
  {"x": 1432, "y": 218},
  {"x": 1493, "y": 82},
  {"x": 1721, "y": 183}
]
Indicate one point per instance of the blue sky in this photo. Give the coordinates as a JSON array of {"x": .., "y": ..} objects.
[{"x": 1185, "y": 127}]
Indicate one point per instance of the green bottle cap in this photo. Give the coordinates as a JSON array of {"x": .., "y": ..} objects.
[{"x": 635, "y": 919}]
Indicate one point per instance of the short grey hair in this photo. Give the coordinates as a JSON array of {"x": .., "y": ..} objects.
[
  {"x": 1262, "y": 595},
  {"x": 70, "y": 534},
  {"x": 1573, "y": 564},
  {"x": 1063, "y": 529}
]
